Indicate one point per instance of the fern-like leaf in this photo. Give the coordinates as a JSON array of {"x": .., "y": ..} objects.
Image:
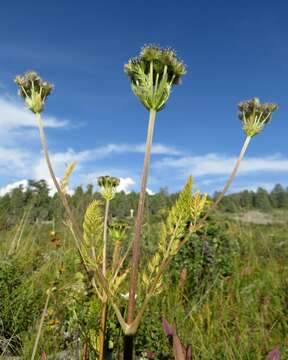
[
  {"x": 180, "y": 214},
  {"x": 65, "y": 181},
  {"x": 93, "y": 225}
]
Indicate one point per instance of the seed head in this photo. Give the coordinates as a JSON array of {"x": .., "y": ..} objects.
[
  {"x": 33, "y": 90},
  {"x": 153, "y": 73},
  {"x": 117, "y": 230},
  {"x": 255, "y": 115},
  {"x": 108, "y": 185}
]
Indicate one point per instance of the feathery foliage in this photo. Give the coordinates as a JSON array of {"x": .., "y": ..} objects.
[
  {"x": 68, "y": 172},
  {"x": 93, "y": 225}
]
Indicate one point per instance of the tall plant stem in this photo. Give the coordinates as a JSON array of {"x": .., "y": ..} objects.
[
  {"x": 128, "y": 340},
  {"x": 105, "y": 227},
  {"x": 41, "y": 325},
  {"x": 230, "y": 179},
  {"x": 58, "y": 188},
  {"x": 104, "y": 302},
  {"x": 76, "y": 232},
  {"x": 139, "y": 219}
]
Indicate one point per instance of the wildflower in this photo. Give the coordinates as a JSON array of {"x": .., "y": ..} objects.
[
  {"x": 255, "y": 115},
  {"x": 152, "y": 75},
  {"x": 33, "y": 90},
  {"x": 108, "y": 185},
  {"x": 117, "y": 230}
]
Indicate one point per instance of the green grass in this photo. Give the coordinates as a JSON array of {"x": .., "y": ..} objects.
[{"x": 242, "y": 315}]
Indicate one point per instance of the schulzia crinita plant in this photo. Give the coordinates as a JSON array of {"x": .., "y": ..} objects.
[
  {"x": 108, "y": 186},
  {"x": 152, "y": 74}
]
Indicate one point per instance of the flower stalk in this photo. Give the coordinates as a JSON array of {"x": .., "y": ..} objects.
[
  {"x": 230, "y": 179},
  {"x": 35, "y": 347},
  {"x": 152, "y": 75},
  {"x": 138, "y": 224},
  {"x": 104, "y": 309},
  {"x": 108, "y": 185}
]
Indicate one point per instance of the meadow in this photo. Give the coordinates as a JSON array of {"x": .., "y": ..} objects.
[
  {"x": 82, "y": 278},
  {"x": 227, "y": 290}
]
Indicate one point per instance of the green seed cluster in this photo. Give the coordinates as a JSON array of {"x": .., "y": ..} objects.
[
  {"x": 255, "y": 115},
  {"x": 152, "y": 75},
  {"x": 33, "y": 90},
  {"x": 161, "y": 58},
  {"x": 108, "y": 185},
  {"x": 117, "y": 230}
]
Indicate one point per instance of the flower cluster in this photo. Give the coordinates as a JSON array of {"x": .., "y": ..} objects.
[
  {"x": 152, "y": 75},
  {"x": 33, "y": 90},
  {"x": 255, "y": 115},
  {"x": 108, "y": 185},
  {"x": 117, "y": 230}
]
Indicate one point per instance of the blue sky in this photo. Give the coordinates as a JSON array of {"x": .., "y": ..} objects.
[{"x": 233, "y": 51}]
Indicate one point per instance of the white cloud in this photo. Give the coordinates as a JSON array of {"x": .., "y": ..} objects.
[
  {"x": 150, "y": 192},
  {"x": 14, "y": 115},
  {"x": 24, "y": 184},
  {"x": 61, "y": 159},
  {"x": 126, "y": 185},
  {"x": 14, "y": 161},
  {"x": 8, "y": 188},
  {"x": 110, "y": 149},
  {"x": 18, "y": 124},
  {"x": 217, "y": 164}
]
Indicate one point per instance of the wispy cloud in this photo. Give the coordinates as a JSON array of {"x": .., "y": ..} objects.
[
  {"x": 31, "y": 164},
  {"x": 157, "y": 149},
  {"x": 8, "y": 188},
  {"x": 14, "y": 160},
  {"x": 14, "y": 115},
  {"x": 217, "y": 164},
  {"x": 17, "y": 123}
]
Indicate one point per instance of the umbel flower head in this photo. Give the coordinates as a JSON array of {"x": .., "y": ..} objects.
[
  {"x": 152, "y": 75},
  {"x": 108, "y": 185},
  {"x": 33, "y": 90},
  {"x": 117, "y": 230},
  {"x": 255, "y": 115}
]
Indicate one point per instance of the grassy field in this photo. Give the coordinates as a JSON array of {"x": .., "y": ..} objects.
[{"x": 231, "y": 304}]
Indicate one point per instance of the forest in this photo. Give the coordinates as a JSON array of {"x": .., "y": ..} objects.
[{"x": 44, "y": 207}]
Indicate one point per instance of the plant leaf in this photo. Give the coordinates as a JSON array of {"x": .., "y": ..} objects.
[
  {"x": 93, "y": 224},
  {"x": 167, "y": 328},
  {"x": 177, "y": 347},
  {"x": 189, "y": 352},
  {"x": 274, "y": 354}
]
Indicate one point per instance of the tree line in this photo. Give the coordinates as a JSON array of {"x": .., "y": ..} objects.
[
  {"x": 40, "y": 206},
  {"x": 35, "y": 201},
  {"x": 261, "y": 199}
]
